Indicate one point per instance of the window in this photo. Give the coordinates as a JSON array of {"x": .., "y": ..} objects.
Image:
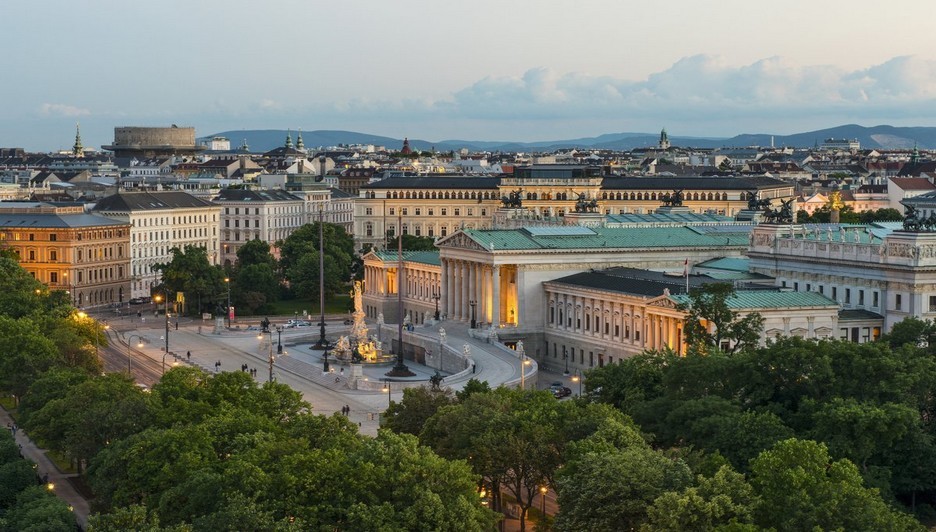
[
  {"x": 418, "y": 211},
  {"x": 469, "y": 211},
  {"x": 932, "y": 307},
  {"x": 848, "y": 296},
  {"x": 369, "y": 229},
  {"x": 835, "y": 293},
  {"x": 53, "y": 255},
  {"x": 369, "y": 211},
  {"x": 821, "y": 289},
  {"x": 874, "y": 299},
  {"x": 587, "y": 322},
  {"x": 796, "y": 287},
  {"x": 861, "y": 297},
  {"x": 256, "y": 223},
  {"x": 444, "y": 211},
  {"x": 898, "y": 301},
  {"x": 392, "y": 211},
  {"x": 457, "y": 213},
  {"x": 483, "y": 212},
  {"x": 53, "y": 237},
  {"x": 444, "y": 230},
  {"x": 32, "y": 254},
  {"x": 552, "y": 314}
]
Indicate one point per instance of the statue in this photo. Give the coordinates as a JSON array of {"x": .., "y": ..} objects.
[
  {"x": 783, "y": 215},
  {"x": 755, "y": 203},
  {"x": 514, "y": 200},
  {"x": 441, "y": 335},
  {"x": 265, "y": 325},
  {"x": 583, "y": 204},
  {"x": 436, "y": 380},
  {"x": 467, "y": 350},
  {"x": 673, "y": 200}
]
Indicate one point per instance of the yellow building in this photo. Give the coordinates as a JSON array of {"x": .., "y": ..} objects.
[{"x": 86, "y": 255}]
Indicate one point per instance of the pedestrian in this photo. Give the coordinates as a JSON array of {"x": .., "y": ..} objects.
[
  {"x": 337, "y": 379},
  {"x": 188, "y": 355},
  {"x": 341, "y": 372}
]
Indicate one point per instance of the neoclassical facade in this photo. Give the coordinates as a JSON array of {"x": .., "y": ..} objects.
[
  {"x": 267, "y": 215},
  {"x": 159, "y": 222},
  {"x": 421, "y": 279},
  {"x": 438, "y": 206},
  {"x": 878, "y": 273},
  {"x": 86, "y": 255}
]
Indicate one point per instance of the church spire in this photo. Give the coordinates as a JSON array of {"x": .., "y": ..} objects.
[
  {"x": 78, "y": 149},
  {"x": 299, "y": 144},
  {"x": 664, "y": 140},
  {"x": 289, "y": 143}
]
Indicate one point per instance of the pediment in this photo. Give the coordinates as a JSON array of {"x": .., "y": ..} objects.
[
  {"x": 663, "y": 302},
  {"x": 460, "y": 240}
]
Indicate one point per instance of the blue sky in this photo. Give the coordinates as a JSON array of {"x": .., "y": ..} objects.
[{"x": 488, "y": 70}]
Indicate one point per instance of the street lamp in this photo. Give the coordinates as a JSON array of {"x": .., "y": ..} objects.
[
  {"x": 322, "y": 342},
  {"x": 129, "y": 355},
  {"x": 436, "y": 296},
  {"x": 543, "y": 490},
  {"x": 165, "y": 296},
  {"x": 578, "y": 378},
  {"x": 270, "y": 356},
  {"x": 473, "y": 304},
  {"x": 227, "y": 281},
  {"x": 386, "y": 388},
  {"x": 524, "y": 361},
  {"x": 565, "y": 358},
  {"x": 279, "y": 339},
  {"x": 71, "y": 292}
]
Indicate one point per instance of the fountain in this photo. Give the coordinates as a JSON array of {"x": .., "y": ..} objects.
[{"x": 357, "y": 347}]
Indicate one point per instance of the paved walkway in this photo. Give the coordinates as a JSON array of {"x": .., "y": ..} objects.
[{"x": 61, "y": 486}]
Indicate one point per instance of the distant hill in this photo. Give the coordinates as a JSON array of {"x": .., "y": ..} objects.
[{"x": 884, "y": 137}]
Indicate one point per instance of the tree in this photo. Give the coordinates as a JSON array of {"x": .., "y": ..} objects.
[
  {"x": 38, "y": 510},
  {"x": 191, "y": 273},
  {"x": 25, "y": 353},
  {"x": 418, "y": 405},
  {"x": 725, "y": 498},
  {"x": 711, "y": 324},
  {"x": 802, "y": 489},
  {"x": 299, "y": 260},
  {"x": 255, "y": 252},
  {"x": 413, "y": 242},
  {"x": 613, "y": 490},
  {"x": 880, "y": 215}
]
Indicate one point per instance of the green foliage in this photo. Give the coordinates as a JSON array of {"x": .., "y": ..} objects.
[
  {"x": 37, "y": 510},
  {"x": 255, "y": 280},
  {"x": 710, "y": 323},
  {"x": 724, "y": 499},
  {"x": 418, "y": 405},
  {"x": 471, "y": 387},
  {"x": 191, "y": 273},
  {"x": 613, "y": 490},
  {"x": 300, "y": 260},
  {"x": 802, "y": 489},
  {"x": 412, "y": 242},
  {"x": 25, "y": 353}
]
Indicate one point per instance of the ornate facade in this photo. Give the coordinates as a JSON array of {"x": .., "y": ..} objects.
[
  {"x": 438, "y": 206},
  {"x": 85, "y": 255}
]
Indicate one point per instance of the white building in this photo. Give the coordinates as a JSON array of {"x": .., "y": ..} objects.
[
  {"x": 267, "y": 215},
  {"x": 159, "y": 222}
]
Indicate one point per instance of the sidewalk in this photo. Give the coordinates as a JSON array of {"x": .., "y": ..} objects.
[{"x": 61, "y": 485}]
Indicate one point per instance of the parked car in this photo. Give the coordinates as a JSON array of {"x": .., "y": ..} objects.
[
  {"x": 137, "y": 301},
  {"x": 556, "y": 385},
  {"x": 562, "y": 392}
]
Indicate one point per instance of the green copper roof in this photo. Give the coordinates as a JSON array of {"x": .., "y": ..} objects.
[
  {"x": 734, "y": 264},
  {"x": 607, "y": 237},
  {"x": 424, "y": 257},
  {"x": 756, "y": 299}
]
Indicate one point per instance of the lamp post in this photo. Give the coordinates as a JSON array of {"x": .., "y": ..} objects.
[
  {"x": 227, "y": 281},
  {"x": 473, "y": 304},
  {"x": 565, "y": 358},
  {"x": 578, "y": 378},
  {"x": 436, "y": 296},
  {"x": 279, "y": 339},
  {"x": 322, "y": 342},
  {"x": 325, "y": 359},
  {"x": 543, "y": 490},
  {"x": 71, "y": 291},
  {"x": 387, "y": 389},
  {"x": 129, "y": 355},
  {"x": 165, "y": 296},
  {"x": 523, "y": 363},
  {"x": 270, "y": 357}
]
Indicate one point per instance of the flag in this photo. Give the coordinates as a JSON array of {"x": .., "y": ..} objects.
[{"x": 685, "y": 271}]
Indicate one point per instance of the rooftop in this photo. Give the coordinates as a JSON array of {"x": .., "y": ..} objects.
[{"x": 605, "y": 237}]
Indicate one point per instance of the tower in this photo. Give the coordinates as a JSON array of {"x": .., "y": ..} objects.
[
  {"x": 664, "y": 140},
  {"x": 78, "y": 149},
  {"x": 406, "y": 148},
  {"x": 289, "y": 143},
  {"x": 299, "y": 144}
]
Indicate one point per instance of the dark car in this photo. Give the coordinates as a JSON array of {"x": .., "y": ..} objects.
[
  {"x": 137, "y": 301},
  {"x": 561, "y": 392}
]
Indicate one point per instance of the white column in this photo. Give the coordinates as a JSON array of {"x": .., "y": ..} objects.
[
  {"x": 457, "y": 314},
  {"x": 443, "y": 286},
  {"x": 495, "y": 290},
  {"x": 472, "y": 286}
]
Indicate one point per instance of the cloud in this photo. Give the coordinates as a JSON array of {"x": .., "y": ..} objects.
[
  {"x": 704, "y": 85},
  {"x": 60, "y": 109}
]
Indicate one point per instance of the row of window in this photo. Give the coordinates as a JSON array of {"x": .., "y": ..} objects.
[
  {"x": 53, "y": 237},
  {"x": 847, "y": 292},
  {"x": 279, "y": 209},
  {"x": 176, "y": 220},
  {"x": 567, "y": 351},
  {"x": 430, "y": 211},
  {"x": 592, "y": 324}
]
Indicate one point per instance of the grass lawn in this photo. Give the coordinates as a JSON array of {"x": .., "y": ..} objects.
[
  {"x": 7, "y": 403},
  {"x": 62, "y": 462},
  {"x": 334, "y": 305}
]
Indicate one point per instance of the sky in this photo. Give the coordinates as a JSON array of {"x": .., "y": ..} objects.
[{"x": 498, "y": 70}]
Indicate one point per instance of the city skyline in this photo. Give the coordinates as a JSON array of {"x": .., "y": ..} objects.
[{"x": 515, "y": 71}]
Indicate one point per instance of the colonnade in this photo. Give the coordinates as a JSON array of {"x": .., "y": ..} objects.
[
  {"x": 466, "y": 282},
  {"x": 631, "y": 324}
]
